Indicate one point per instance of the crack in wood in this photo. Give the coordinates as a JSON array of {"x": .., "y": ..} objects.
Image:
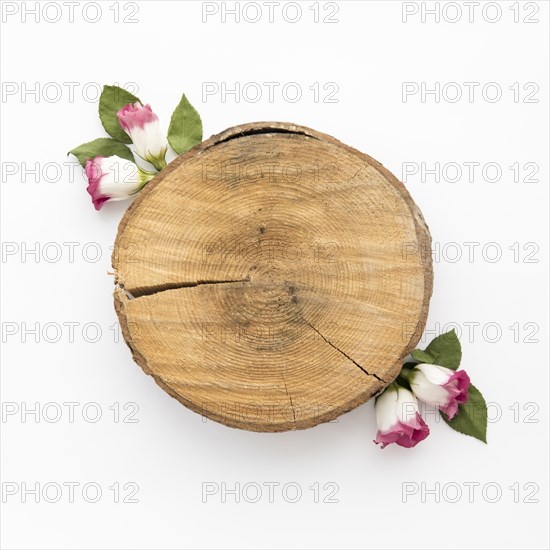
[
  {"x": 264, "y": 130},
  {"x": 346, "y": 355},
  {"x": 150, "y": 291},
  {"x": 290, "y": 399}
]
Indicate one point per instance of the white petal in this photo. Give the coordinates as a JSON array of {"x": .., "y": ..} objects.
[
  {"x": 149, "y": 140},
  {"x": 427, "y": 391},
  {"x": 407, "y": 405},
  {"x": 120, "y": 178},
  {"x": 434, "y": 373},
  {"x": 386, "y": 410}
]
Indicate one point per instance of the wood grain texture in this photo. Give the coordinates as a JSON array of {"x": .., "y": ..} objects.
[{"x": 272, "y": 278}]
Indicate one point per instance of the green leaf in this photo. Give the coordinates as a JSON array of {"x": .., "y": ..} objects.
[
  {"x": 471, "y": 418},
  {"x": 185, "y": 129},
  {"x": 105, "y": 147},
  {"x": 421, "y": 356},
  {"x": 445, "y": 350},
  {"x": 112, "y": 99}
]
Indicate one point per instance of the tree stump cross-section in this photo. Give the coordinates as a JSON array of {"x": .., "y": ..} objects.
[{"x": 272, "y": 278}]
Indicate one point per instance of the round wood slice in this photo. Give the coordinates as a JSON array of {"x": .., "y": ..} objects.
[{"x": 272, "y": 278}]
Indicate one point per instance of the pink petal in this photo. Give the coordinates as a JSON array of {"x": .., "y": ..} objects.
[
  {"x": 132, "y": 116},
  {"x": 457, "y": 386},
  {"x": 404, "y": 434},
  {"x": 94, "y": 175},
  {"x": 450, "y": 409}
]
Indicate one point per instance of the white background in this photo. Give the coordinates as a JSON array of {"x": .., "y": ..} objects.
[{"x": 170, "y": 452}]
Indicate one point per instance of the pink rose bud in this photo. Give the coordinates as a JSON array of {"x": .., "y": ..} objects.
[
  {"x": 398, "y": 419},
  {"x": 113, "y": 179},
  {"x": 142, "y": 125},
  {"x": 439, "y": 386}
]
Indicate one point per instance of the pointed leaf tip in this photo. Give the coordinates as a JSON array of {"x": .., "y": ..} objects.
[{"x": 185, "y": 130}]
